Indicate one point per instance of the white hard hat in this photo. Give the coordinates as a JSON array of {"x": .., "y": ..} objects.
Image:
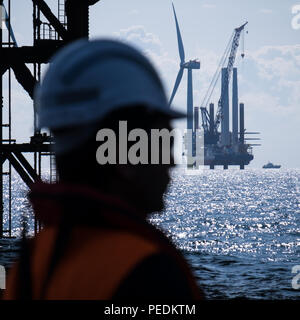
[{"x": 87, "y": 80}]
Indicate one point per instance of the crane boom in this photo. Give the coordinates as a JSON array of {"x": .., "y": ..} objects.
[{"x": 230, "y": 64}]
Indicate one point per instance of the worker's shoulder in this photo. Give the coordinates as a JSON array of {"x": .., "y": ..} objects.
[
  {"x": 148, "y": 269},
  {"x": 100, "y": 238},
  {"x": 157, "y": 276},
  {"x": 103, "y": 256},
  {"x": 118, "y": 242}
]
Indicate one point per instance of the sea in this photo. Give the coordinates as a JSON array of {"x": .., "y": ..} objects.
[{"x": 238, "y": 229}]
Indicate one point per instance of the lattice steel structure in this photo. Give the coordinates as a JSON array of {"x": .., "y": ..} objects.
[{"x": 50, "y": 33}]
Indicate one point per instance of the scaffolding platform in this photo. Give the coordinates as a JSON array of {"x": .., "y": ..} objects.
[{"x": 50, "y": 33}]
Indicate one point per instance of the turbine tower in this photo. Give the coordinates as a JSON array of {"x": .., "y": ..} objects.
[{"x": 190, "y": 65}]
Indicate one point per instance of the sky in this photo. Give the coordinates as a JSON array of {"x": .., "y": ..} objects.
[{"x": 269, "y": 75}]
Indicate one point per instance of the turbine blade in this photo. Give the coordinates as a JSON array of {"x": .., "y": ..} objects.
[
  {"x": 180, "y": 43},
  {"x": 8, "y": 26},
  {"x": 177, "y": 82}
]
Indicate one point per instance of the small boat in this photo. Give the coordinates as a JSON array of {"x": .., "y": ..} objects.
[{"x": 270, "y": 165}]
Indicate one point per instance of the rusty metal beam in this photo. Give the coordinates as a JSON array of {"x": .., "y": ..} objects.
[
  {"x": 37, "y": 54},
  {"x": 24, "y": 77},
  {"x": 78, "y": 18},
  {"x": 3, "y": 68},
  {"x": 25, "y": 147},
  {"x": 21, "y": 171},
  {"x": 26, "y": 165}
]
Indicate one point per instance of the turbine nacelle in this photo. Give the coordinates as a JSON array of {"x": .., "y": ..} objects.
[{"x": 192, "y": 64}]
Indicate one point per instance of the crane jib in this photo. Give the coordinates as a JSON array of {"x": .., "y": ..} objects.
[{"x": 229, "y": 68}]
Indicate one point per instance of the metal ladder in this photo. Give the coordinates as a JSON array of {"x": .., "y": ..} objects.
[
  {"x": 62, "y": 12},
  {"x": 52, "y": 166},
  {"x": 53, "y": 172}
]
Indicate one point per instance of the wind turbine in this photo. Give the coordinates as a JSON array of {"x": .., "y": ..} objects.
[{"x": 190, "y": 65}]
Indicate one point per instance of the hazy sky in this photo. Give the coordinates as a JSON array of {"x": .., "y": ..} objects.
[{"x": 269, "y": 75}]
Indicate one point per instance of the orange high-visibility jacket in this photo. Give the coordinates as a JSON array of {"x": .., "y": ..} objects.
[{"x": 93, "y": 246}]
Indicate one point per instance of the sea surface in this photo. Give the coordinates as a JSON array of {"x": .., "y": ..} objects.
[{"x": 238, "y": 229}]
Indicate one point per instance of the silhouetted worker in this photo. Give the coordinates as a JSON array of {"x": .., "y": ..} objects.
[{"x": 96, "y": 242}]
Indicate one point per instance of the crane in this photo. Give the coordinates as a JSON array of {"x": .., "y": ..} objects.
[{"x": 229, "y": 55}]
